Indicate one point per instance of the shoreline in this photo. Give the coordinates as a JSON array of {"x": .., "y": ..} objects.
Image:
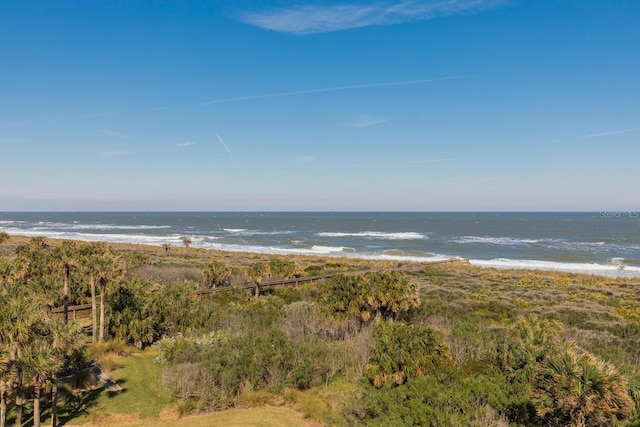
[
  {"x": 572, "y": 243},
  {"x": 589, "y": 269}
]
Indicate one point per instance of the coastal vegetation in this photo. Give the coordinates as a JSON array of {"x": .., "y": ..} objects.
[{"x": 174, "y": 333}]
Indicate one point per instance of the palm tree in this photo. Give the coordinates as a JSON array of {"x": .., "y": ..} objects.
[
  {"x": 89, "y": 254},
  {"x": 26, "y": 330},
  {"x": 103, "y": 266},
  {"x": 343, "y": 297},
  {"x": 112, "y": 270},
  {"x": 575, "y": 387},
  {"x": 389, "y": 294},
  {"x": 216, "y": 273},
  {"x": 283, "y": 267},
  {"x": 40, "y": 361},
  {"x": 65, "y": 256},
  {"x": 34, "y": 264},
  {"x": 258, "y": 270},
  {"x": 21, "y": 311},
  {"x": 402, "y": 351},
  {"x": 66, "y": 341},
  {"x": 186, "y": 241},
  {"x": 531, "y": 340}
]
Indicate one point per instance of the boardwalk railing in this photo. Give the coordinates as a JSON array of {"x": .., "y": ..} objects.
[
  {"x": 83, "y": 311},
  {"x": 266, "y": 286}
]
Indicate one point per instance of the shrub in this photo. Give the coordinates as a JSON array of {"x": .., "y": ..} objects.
[
  {"x": 575, "y": 387},
  {"x": 387, "y": 295},
  {"x": 402, "y": 351},
  {"x": 283, "y": 268},
  {"x": 216, "y": 274},
  {"x": 446, "y": 397}
]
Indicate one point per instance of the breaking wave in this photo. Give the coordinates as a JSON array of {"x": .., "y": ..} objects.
[{"x": 376, "y": 235}]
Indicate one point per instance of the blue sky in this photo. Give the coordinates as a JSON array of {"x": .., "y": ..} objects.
[{"x": 327, "y": 105}]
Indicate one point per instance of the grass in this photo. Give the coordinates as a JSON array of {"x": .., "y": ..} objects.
[
  {"x": 143, "y": 395},
  {"x": 324, "y": 404},
  {"x": 267, "y": 416},
  {"x": 144, "y": 402}
]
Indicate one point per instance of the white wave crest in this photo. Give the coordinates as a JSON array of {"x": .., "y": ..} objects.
[
  {"x": 583, "y": 268},
  {"x": 117, "y": 227},
  {"x": 495, "y": 240},
  {"x": 248, "y": 233},
  {"x": 46, "y": 225},
  {"x": 410, "y": 235},
  {"x": 556, "y": 244},
  {"x": 330, "y": 249}
]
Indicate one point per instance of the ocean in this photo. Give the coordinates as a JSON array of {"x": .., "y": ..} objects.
[{"x": 606, "y": 243}]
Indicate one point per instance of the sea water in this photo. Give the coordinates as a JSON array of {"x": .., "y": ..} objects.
[{"x": 599, "y": 243}]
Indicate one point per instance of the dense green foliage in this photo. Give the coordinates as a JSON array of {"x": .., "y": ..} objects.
[
  {"x": 442, "y": 346},
  {"x": 446, "y": 397},
  {"x": 142, "y": 312},
  {"x": 402, "y": 351},
  {"x": 36, "y": 349},
  {"x": 216, "y": 274},
  {"x": 387, "y": 295},
  {"x": 283, "y": 268}
]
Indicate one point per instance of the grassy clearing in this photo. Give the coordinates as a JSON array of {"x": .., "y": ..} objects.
[
  {"x": 325, "y": 404},
  {"x": 145, "y": 402},
  {"x": 142, "y": 397},
  {"x": 267, "y": 416}
]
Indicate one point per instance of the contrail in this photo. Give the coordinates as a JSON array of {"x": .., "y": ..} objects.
[
  {"x": 233, "y": 159},
  {"x": 611, "y": 132},
  {"x": 326, "y": 89}
]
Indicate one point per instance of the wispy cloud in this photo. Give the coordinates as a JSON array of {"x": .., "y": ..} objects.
[
  {"x": 327, "y": 89},
  {"x": 186, "y": 144},
  {"x": 311, "y": 19},
  {"x": 365, "y": 121},
  {"x": 608, "y": 133},
  {"x": 233, "y": 159},
  {"x": 13, "y": 140},
  {"x": 116, "y": 134}
]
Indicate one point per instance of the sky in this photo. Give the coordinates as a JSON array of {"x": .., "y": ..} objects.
[{"x": 280, "y": 105}]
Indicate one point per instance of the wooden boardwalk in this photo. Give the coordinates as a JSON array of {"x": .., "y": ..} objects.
[{"x": 83, "y": 311}]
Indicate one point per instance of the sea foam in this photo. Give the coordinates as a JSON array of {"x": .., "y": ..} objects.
[
  {"x": 330, "y": 249},
  {"x": 583, "y": 268},
  {"x": 495, "y": 240},
  {"x": 376, "y": 235}
]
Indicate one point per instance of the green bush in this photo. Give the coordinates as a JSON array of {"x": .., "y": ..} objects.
[
  {"x": 446, "y": 397},
  {"x": 402, "y": 351},
  {"x": 363, "y": 298}
]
